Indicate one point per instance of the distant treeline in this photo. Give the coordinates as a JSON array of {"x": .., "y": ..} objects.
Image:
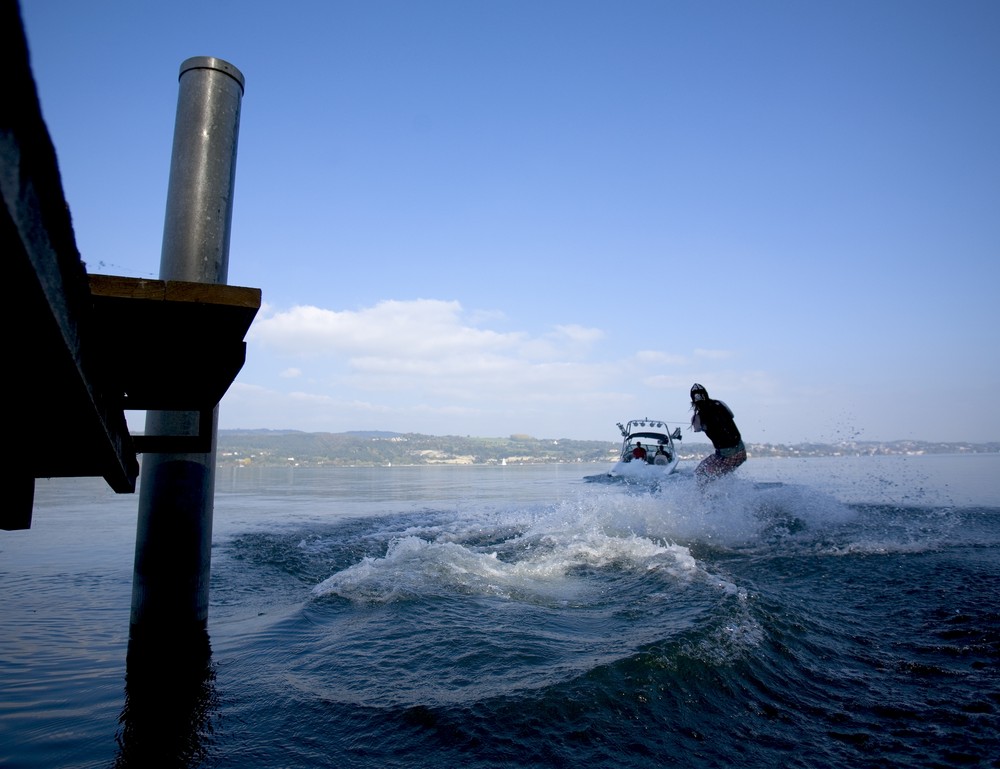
[{"x": 360, "y": 449}]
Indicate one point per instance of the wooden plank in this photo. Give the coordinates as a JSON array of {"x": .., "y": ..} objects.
[
  {"x": 116, "y": 286},
  {"x": 126, "y": 288},
  {"x": 208, "y": 293}
]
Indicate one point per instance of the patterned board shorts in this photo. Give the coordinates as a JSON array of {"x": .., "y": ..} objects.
[{"x": 717, "y": 465}]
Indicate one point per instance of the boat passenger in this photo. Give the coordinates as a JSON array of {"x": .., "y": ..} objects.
[
  {"x": 715, "y": 419},
  {"x": 661, "y": 457},
  {"x": 639, "y": 452}
]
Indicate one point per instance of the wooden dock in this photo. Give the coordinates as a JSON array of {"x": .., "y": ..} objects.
[{"x": 84, "y": 349}]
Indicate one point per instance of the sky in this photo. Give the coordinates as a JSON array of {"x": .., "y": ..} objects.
[{"x": 490, "y": 217}]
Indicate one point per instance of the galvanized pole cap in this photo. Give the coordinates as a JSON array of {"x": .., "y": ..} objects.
[{"x": 210, "y": 62}]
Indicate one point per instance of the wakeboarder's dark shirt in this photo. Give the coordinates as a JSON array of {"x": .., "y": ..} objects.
[{"x": 717, "y": 423}]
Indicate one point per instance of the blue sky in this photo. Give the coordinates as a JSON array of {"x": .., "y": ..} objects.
[{"x": 501, "y": 216}]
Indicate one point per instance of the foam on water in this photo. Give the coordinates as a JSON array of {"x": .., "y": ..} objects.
[
  {"x": 539, "y": 562},
  {"x": 540, "y": 552}
]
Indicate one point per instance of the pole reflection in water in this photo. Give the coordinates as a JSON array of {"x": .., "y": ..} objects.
[{"x": 170, "y": 700}]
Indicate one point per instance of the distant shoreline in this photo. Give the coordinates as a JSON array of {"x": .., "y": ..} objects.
[{"x": 271, "y": 448}]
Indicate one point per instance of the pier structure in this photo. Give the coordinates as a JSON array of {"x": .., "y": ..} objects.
[{"x": 85, "y": 349}]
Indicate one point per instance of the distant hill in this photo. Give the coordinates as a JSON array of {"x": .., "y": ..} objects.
[{"x": 373, "y": 448}]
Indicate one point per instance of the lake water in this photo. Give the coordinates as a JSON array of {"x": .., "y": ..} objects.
[{"x": 805, "y": 613}]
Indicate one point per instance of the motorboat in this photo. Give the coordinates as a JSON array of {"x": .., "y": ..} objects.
[{"x": 648, "y": 451}]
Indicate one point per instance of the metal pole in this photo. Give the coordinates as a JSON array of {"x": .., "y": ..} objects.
[{"x": 176, "y": 493}]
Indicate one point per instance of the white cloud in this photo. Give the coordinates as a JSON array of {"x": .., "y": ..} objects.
[
  {"x": 714, "y": 354},
  {"x": 656, "y": 357},
  {"x": 422, "y": 327},
  {"x": 579, "y": 334}
]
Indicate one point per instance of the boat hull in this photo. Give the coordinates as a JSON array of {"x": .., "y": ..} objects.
[{"x": 642, "y": 471}]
